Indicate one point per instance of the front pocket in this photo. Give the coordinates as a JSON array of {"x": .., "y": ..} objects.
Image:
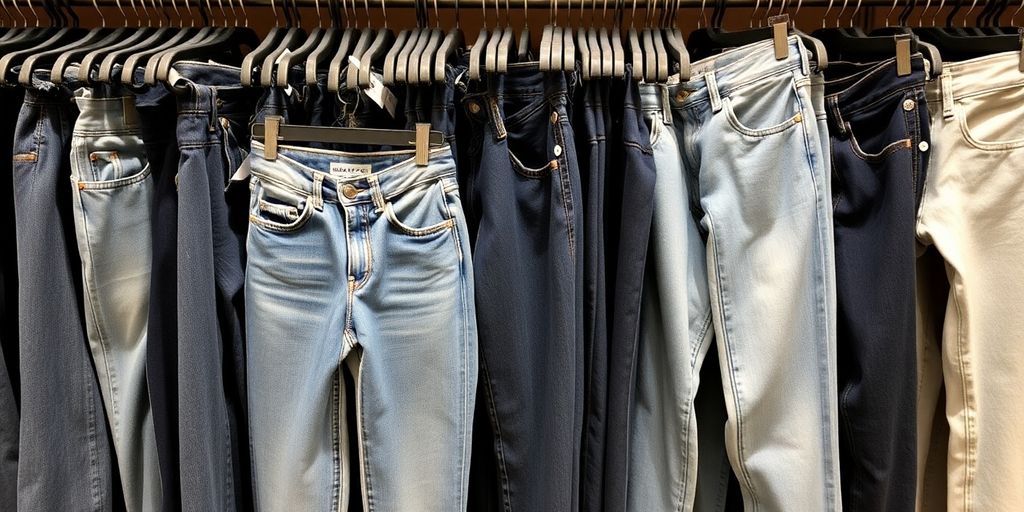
[
  {"x": 883, "y": 128},
  {"x": 115, "y": 183},
  {"x": 993, "y": 120},
  {"x": 423, "y": 209},
  {"x": 277, "y": 209},
  {"x": 764, "y": 108}
]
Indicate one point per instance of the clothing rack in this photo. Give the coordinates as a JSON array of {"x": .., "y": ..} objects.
[{"x": 533, "y": 4}]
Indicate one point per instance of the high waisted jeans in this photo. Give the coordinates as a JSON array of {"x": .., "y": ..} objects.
[{"x": 359, "y": 263}]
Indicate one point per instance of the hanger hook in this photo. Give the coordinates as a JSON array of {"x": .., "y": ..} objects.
[
  {"x": 767, "y": 12},
  {"x": 856, "y": 10},
  {"x": 969, "y": 11},
  {"x": 753, "y": 15},
  {"x": 1013, "y": 17},
  {"x": 827, "y": 11},
  {"x": 701, "y": 20},
  {"x": 842, "y": 11}
]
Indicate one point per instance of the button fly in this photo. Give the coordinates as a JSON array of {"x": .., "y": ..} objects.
[
  {"x": 908, "y": 105},
  {"x": 349, "y": 191}
]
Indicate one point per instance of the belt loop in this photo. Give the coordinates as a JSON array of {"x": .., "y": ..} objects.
[
  {"x": 318, "y": 191},
  {"x": 837, "y": 116},
  {"x": 712, "y": 83},
  {"x": 375, "y": 193},
  {"x": 946, "y": 84},
  {"x": 805, "y": 63},
  {"x": 666, "y": 103},
  {"x": 499, "y": 124}
]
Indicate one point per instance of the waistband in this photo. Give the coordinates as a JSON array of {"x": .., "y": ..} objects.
[
  {"x": 526, "y": 79},
  {"x": 980, "y": 75},
  {"x": 194, "y": 81},
  {"x": 719, "y": 75},
  {"x": 101, "y": 114},
  {"x": 852, "y": 86},
  {"x": 367, "y": 177}
]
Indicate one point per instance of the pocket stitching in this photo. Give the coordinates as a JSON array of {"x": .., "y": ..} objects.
[
  {"x": 888, "y": 150},
  {"x": 307, "y": 213},
  {"x": 528, "y": 172},
  {"x": 389, "y": 212},
  {"x": 737, "y": 125},
  {"x": 118, "y": 183},
  {"x": 961, "y": 114}
]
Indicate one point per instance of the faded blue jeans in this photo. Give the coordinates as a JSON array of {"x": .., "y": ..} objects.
[
  {"x": 359, "y": 263},
  {"x": 741, "y": 256},
  {"x": 112, "y": 189}
]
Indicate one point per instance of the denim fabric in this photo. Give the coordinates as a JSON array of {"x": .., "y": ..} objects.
[
  {"x": 64, "y": 460},
  {"x": 971, "y": 287},
  {"x": 359, "y": 264},
  {"x": 631, "y": 198},
  {"x": 746, "y": 261},
  {"x": 112, "y": 190},
  {"x": 213, "y": 112},
  {"x": 10, "y": 377},
  {"x": 591, "y": 149},
  {"x": 526, "y": 198},
  {"x": 877, "y": 120}
]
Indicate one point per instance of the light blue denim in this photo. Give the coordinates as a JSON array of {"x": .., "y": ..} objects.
[
  {"x": 112, "y": 189},
  {"x": 359, "y": 263},
  {"x": 741, "y": 256}
]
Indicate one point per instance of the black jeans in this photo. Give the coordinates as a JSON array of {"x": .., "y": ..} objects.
[
  {"x": 878, "y": 124},
  {"x": 525, "y": 211}
]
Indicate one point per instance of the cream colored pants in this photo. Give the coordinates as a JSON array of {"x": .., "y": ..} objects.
[{"x": 971, "y": 291}]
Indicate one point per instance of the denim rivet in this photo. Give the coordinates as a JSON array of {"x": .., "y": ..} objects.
[
  {"x": 349, "y": 191},
  {"x": 558, "y": 150},
  {"x": 554, "y": 117},
  {"x": 554, "y": 164},
  {"x": 474, "y": 107},
  {"x": 798, "y": 117},
  {"x": 909, "y": 105},
  {"x": 681, "y": 95},
  {"x": 923, "y": 146}
]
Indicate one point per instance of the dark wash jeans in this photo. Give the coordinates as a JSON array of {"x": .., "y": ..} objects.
[
  {"x": 592, "y": 151},
  {"x": 878, "y": 123},
  {"x": 631, "y": 182},
  {"x": 65, "y": 452},
  {"x": 525, "y": 205},
  {"x": 213, "y": 114}
]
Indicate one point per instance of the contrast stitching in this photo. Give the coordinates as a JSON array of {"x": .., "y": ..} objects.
[{"x": 962, "y": 364}]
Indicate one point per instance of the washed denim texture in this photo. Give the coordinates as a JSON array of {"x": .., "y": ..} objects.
[
  {"x": 630, "y": 198},
  {"x": 65, "y": 452},
  {"x": 10, "y": 377},
  {"x": 526, "y": 216},
  {"x": 970, "y": 288},
  {"x": 746, "y": 261},
  {"x": 359, "y": 263},
  {"x": 213, "y": 113},
  {"x": 112, "y": 192},
  {"x": 591, "y": 149},
  {"x": 877, "y": 121}
]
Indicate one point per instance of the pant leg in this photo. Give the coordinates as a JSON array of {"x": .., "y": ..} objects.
[
  {"x": 527, "y": 267},
  {"x": 64, "y": 460},
  {"x": 112, "y": 188},
  {"x": 970, "y": 214}
]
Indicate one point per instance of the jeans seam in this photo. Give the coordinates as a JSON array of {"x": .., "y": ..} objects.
[
  {"x": 499, "y": 450},
  {"x": 336, "y": 441},
  {"x": 368, "y": 498},
  {"x": 965, "y": 379},
  {"x": 466, "y": 413},
  {"x": 744, "y": 472},
  {"x": 369, "y": 252},
  {"x": 566, "y": 189}
]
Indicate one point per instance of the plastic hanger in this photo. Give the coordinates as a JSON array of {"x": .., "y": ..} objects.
[
  {"x": 366, "y": 39},
  {"x": 491, "y": 52},
  {"x": 636, "y": 49},
  {"x": 333, "y": 38},
  {"x": 549, "y": 38},
  {"x": 411, "y": 61},
  {"x": 583, "y": 45},
  {"x": 350, "y": 40},
  {"x": 222, "y": 39},
  {"x": 17, "y": 51},
  {"x": 424, "y": 61},
  {"x": 524, "y": 52},
  {"x": 265, "y": 46},
  {"x": 675, "y": 45},
  {"x": 401, "y": 59},
  {"x": 618, "y": 52},
  {"x": 376, "y": 52},
  {"x": 476, "y": 52},
  {"x": 165, "y": 38},
  {"x": 114, "y": 39},
  {"x": 293, "y": 38},
  {"x": 507, "y": 46},
  {"x": 392, "y": 56},
  {"x": 450, "y": 48},
  {"x": 711, "y": 40},
  {"x": 569, "y": 56},
  {"x": 273, "y": 131},
  {"x": 97, "y": 56},
  {"x": 284, "y": 63},
  {"x": 954, "y": 47}
]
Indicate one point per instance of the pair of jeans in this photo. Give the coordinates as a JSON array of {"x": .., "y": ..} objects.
[
  {"x": 631, "y": 189},
  {"x": 64, "y": 459},
  {"x": 878, "y": 123},
  {"x": 526, "y": 209},
  {"x": 213, "y": 114},
  {"x": 592, "y": 151},
  {"x": 112, "y": 192},
  {"x": 970, "y": 288},
  {"x": 741, "y": 256},
  {"x": 359, "y": 263},
  {"x": 10, "y": 377}
]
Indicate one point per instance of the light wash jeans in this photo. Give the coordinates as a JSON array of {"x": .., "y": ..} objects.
[
  {"x": 113, "y": 194},
  {"x": 741, "y": 256},
  {"x": 359, "y": 263}
]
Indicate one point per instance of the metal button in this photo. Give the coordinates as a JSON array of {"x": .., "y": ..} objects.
[
  {"x": 554, "y": 117},
  {"x": 474, "y": 107},
  {"x": 909, "y": 105},
  {"x": 923, "y": 146},
  {"x": 558, "y": 150},
  {"x": 349, "y": 191}
]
